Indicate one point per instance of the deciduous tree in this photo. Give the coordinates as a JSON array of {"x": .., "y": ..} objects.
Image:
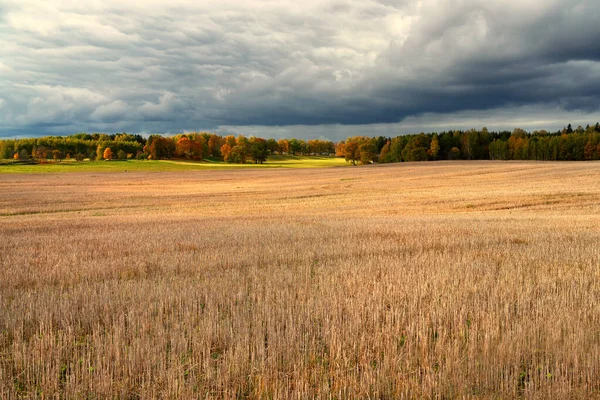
[
  {"x": 238, "y": 155},
  {"x": 368, "y": 151},
  {"x": 188, "y": 148},
  {"x": 352, "y": 152},
  {"x": 340, "y": 149},
  {"x": 284, "y": 146},
  {"x": 40, "y": 154},
  {"x": 226, "y": 152},
  {"x": 434, "y": 148},
  {"x": 160, "y": 147},
  {"x": 56, "y": 155},
  {"x": 214, "y": 145},
  {"x": 384, "y": 156},
  {"x": 230, "y": 141},
  {"x": 272, "y": 146},
  {"x": 258, "y": 150},
  {"x": 416, "y": 148}
]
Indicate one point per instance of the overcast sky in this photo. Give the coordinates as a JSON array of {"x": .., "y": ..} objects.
[{"x": 279, "y": 68}]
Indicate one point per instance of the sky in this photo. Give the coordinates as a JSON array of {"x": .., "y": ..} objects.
[{"x": 306, "y": 69}]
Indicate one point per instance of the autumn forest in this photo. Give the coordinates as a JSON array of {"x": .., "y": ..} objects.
[{"x": 568, "y": 144}]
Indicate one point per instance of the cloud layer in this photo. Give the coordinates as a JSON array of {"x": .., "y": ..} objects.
[{"x": 283, "y": 66}]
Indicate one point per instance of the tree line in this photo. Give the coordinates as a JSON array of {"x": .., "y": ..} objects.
[
  {"x": 568, "y": 144},
  {"x": 192, "y": 146}
]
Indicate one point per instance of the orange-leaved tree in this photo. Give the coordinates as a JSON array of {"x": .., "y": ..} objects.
[
  {"x": 226, "y": 151},
  {"x": 189, "y": 148},
  {"x": 230, "y": 141},
  {"x": 351, "y": 152},
  {"x": 384, "y": 155},
  {"x": 434, "y": 148},
  {"x": 214, "y": 145},
  {"x": 284, "y": 146},
  {"x": 340, "y": 149},
  {"x": 107, "y": 154}
]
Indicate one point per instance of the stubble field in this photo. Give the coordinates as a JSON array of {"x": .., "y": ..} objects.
[{"x": 435, "y": 280}]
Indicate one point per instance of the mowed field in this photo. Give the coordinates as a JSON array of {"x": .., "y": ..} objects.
[{"x": 413, "y": 280}]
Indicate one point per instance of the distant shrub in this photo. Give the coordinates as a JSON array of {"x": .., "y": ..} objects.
[
  {"x": 40, "y": 154},
  {"x": 454, "y": 153},
  {"x": 56, "y": 155}
]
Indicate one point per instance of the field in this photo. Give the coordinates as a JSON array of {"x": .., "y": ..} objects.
[
  {"x": 413, "y": 280},
  {"x": 273, "y": 161}
]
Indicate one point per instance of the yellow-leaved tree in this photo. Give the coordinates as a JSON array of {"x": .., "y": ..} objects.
[{"x": 434, "y": 148}]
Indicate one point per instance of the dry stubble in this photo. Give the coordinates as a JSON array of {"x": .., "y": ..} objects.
[{"x": 442, "y": 280}]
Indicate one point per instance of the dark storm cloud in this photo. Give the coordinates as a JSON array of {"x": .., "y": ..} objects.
[{"x": 267, "y": 65}]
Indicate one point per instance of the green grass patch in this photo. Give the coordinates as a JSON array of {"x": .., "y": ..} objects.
[
  {"x": 275, "y": 161},
  {"x": 306, "y": 161}
]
